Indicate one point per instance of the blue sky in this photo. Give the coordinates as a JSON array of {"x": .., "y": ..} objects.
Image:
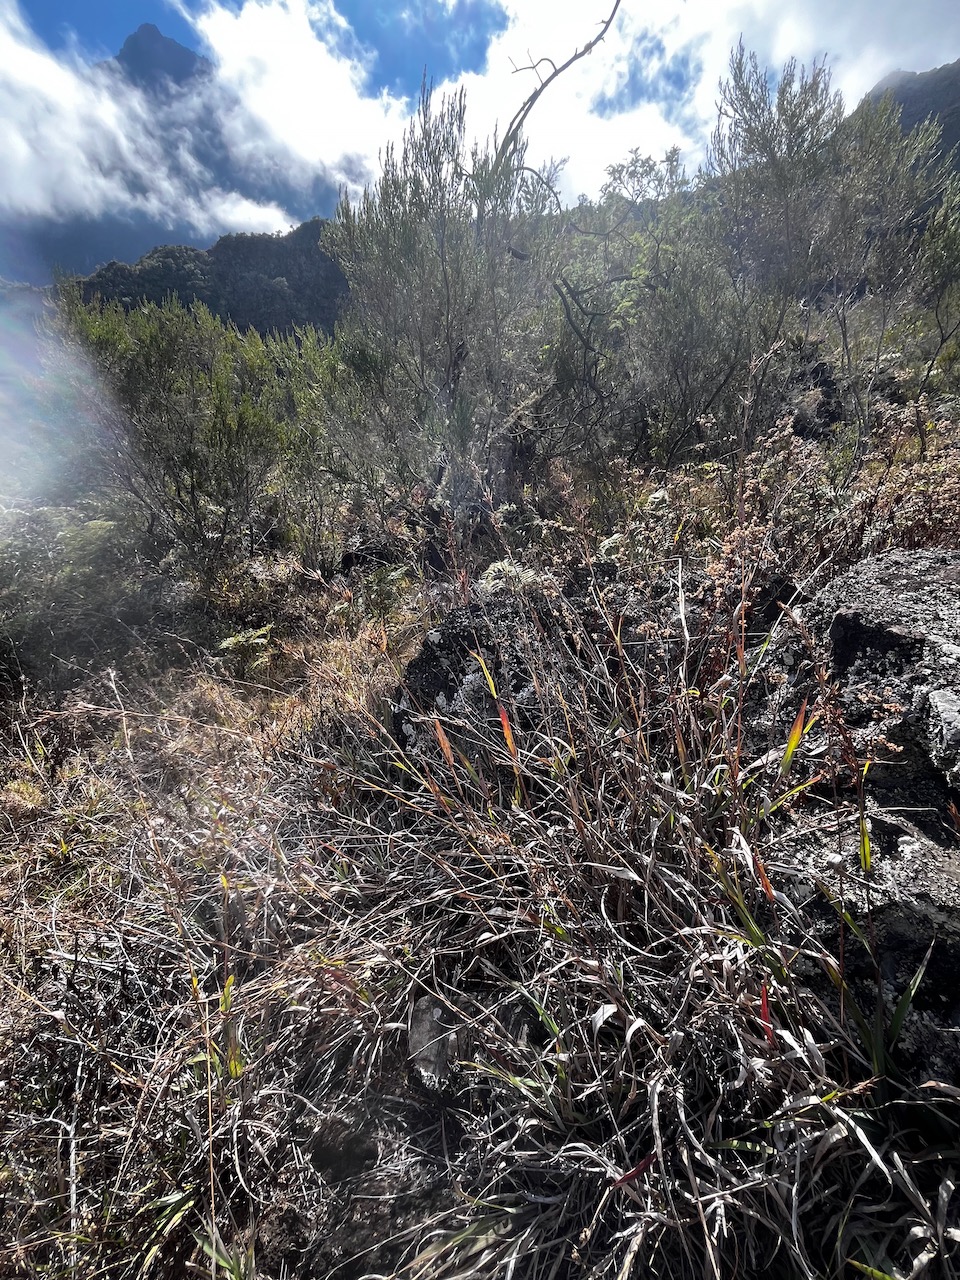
[
  {"x": 314, "y": 89},
  {"x": 399, "y": 40},
  {"x": 101, "y": 26},
  {"x": 447, "y": 41}
]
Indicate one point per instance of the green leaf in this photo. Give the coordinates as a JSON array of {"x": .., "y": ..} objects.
[
  {"x": 226, "y": 996},
  {"x": 172, "y": 1210},
  {"x": 793, "y": 741},
  {"x": 865, "y": 855},
  {"x": 906, "y": 1000},
  {"x": 873, "y": 1272}
]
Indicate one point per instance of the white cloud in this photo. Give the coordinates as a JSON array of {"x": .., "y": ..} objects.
[
  {"x": 862, "y": 39},
  {"x": 292, "y": 98},
  {"x": 303, "y": 90},
  {"x": 71, "y": 144},
  {"x": 564, "y": 123}
]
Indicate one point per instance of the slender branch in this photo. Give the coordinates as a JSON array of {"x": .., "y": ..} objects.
[
  {"x": 535, "y": 66},
  {"x": 516, "y": 124},
  {"x": 565, "y": 302}
]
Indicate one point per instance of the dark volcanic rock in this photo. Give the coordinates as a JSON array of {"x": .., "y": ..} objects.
[
  {"x": 894, "y": 627},
  {"x": 889, "y": 629},
  {"x": 446, "y": 677}
]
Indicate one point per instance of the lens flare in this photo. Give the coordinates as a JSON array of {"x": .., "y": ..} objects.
[
  {"x": 21, "y": 376},
  {"x": 45, "y": 395}
]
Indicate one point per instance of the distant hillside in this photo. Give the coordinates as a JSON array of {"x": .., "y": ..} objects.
[
  {"x": 927, "y": 93},
  {"x": 265, "y": 282}
]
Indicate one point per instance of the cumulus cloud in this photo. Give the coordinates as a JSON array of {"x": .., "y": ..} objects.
[
  {"x": 297, "y": 74},
  {"x": 283, "y": 121},
  {"x": 654, "y": 82}
]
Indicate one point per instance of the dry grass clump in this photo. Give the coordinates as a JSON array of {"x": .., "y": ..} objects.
[
  {"x": 533, "y": 996},
  {"x": 128, "y": 818},
  {"x": 659, "y": 1066},
  {"x": 807, "y": 508},
  {"x": 159, "y": 944}
]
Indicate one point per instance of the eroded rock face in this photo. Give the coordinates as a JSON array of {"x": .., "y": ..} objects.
[
  {"x": 889, "y": 629},
  {"x": 446, "y": 677},
  {"x": 521, "y": 627},
  {"x": 500, "y": 640},
  {"x": 896, "y": 600},
  {"x": 944, "y": 726},
  {"x": 893, "y": 625}
]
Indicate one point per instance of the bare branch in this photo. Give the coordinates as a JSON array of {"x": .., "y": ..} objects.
[
  {"x": 535, "y": 67},
  {"x": 520, "y": 119}
]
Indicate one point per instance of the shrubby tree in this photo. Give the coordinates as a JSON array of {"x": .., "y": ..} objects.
[
  {"x": 805, "y": 227},
  {"x": 447, "y": 258},
  {"x": 680, "y": 321},
  {"x": 829, "y": 211},
  {"x": 189, "y": 416},
  {"x": 772, "y": 161},
  {"x": 449, "y": 344},
  {"x": 770, "y": 168},
  {"x": 882, "y": 219},
  {"x": 721, "y": 263},
  {"x": 936, "y": 328}
]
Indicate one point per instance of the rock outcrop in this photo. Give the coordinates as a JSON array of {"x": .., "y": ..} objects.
[
  {"x": 889, "y": 629},
  {"x": 893, "y": 628}
]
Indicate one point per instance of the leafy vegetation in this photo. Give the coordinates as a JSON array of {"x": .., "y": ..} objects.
[
  {"x": 270, "y": 283},
  {"x": 398, "y": 843}
]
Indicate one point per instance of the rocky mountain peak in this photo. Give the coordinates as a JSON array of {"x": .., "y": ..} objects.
[{"x": 150, "y": 59}]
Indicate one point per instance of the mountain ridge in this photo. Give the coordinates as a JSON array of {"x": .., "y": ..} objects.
[
  {"x": 254, "y": 280},
  {"x": 922, "y": 94}
]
